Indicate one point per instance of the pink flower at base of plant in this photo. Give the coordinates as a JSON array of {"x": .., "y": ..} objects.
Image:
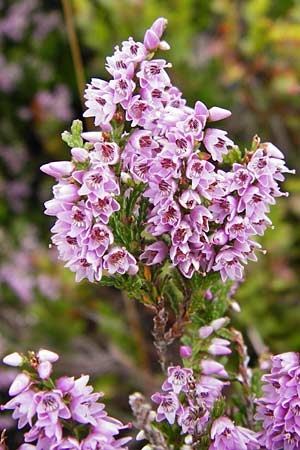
[
  {"x": 227, "y": 436},
  {"x": 278, "y": 409}
]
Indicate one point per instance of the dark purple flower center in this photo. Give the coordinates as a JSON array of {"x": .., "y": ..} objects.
[
  {"x": 180, "y": 234},
  {"x": 121, "y": 65},
  {"x": 78, "y": 217},
  {"x": 83, "y": 262},
  {"x": 164, "y": 187},
  {"x": 220, "y": 143},
  {"x": 99, "y": 235},
  {"x": 226, "y": 432},
  {"x": 141, "y": 169},
  {"x": 94, "y": 179},
  {"x": 181, "y": 143},
  {"x": 237, "y": 227},
  {"x": 117, "y": 258},
  {"x": 241, "y": 177},
  {"x": 145, "y": 141},
  {"x": 168, "y": 404},
  {"x": 153, "y": 69},
  {"x": 138, "y": 108},
  {"x": 102, "y": 203},
  {"x": 194, "y": 124},
  {"x": 167, "y": 163},
  {"x": 256, "y": 198},
  {"x": 107, "y": 152},
  {"x": 171, "y": 214},
  {"x": 71, "y": 240},
  {"x": 178, "y": 377},
  {"x": 134, "y": 49},
  {"x": 197, "y": 169},
  {"x": 101, "y": 101},
  {"x": 156, "y": 93},
  {"x": 261, "y": 163},
  {"x": 50, "y": 403}
]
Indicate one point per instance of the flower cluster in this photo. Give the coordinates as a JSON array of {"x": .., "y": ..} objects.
[
  {"x": 226, "y": 435},
  {"x": 279, "y": 407},
  {"x": 202, "y": 209},
  {"x": 188, "y": 401},
  {"x": 61, "y": 415}
]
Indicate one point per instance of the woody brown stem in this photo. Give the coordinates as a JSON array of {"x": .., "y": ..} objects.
[{"x": 134, "y": 322}]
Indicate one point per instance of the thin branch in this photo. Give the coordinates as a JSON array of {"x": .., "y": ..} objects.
[{"x": 134, "y": 322}]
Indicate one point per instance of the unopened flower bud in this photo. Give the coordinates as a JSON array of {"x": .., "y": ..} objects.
[
  {"x": 151, "y": 40},
  {"x": 58, "y": 169},
  {"x": 185, "y": 351},
  {"x": 92, "y": 136},
  {"x": 47, "y": 355},
  {"x": 80, "y": 154},
  {"x": 44, "y": 370},
  {"x": 220, "y": 237},
  {"x": 159, "y": 26},
  {"x": 13, "y": 359},
  {"x": 208, "y": 295},
  {"x": 164, "y": 46},
  {"x": 188, "y": 439},
  {"x": 219, "y": 347},
  {"x": 235, "y": 306},
  {"x": 19, "y": 384},
  {"x": 209, "y": 367},
  {"x": 218, "y": 323},
  {"x": 205, "y": 331},
  {"x": 125, "y": 177},
  {"x": 216, "y": 113},
  {"x": 65, "y": 384}
]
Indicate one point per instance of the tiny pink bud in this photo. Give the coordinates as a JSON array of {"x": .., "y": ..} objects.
[
  {"x": 208, "y": 295},
  {"x": 19, "y": 384},
  {"x": 219, "y": 347},
  {"x": 220, "y": 237},
  {"x": 218, "y": 350},
  {"x": 159, "y": 26},
  {"x": 164, "y": 46},
  {"x": 92, "y": 136},
  {"x": 47, "y": 355},
  {"x": 185, "y": 351},
  {"x": 13, "y": 359},
  {"x": 65, "y": 384},
  {"x": 205, "y": 331},
  {"x": 44, "y": 370},
  {"x": 151, "y": 40},
  {"x": 209, "y": 367},
  {"x": 80, "y": 154},
  {"x": 216, "y": 113},
  {"x": 58, "y": 169},
  {"x": 235, "y": 306},
  {"x": 218, "y": 323}
]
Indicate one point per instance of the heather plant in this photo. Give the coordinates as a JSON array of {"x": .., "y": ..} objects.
[{"x": 163, "y": 206}]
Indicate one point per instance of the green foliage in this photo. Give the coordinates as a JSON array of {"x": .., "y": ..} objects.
[
  {"x": 74, "y": 139},
  {"x": 204, "y": 311}
]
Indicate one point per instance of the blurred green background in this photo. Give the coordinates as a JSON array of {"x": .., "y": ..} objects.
[{"x": 239, "y": 54}]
